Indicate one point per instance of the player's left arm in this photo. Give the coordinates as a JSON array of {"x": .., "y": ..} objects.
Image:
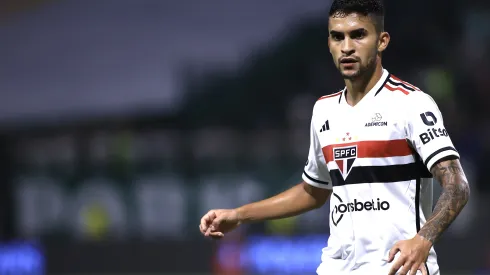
[
  {"x": 434, "y": 145},
  {"x": 425, "y": 130},
  {"x": 454, "y": 196}
]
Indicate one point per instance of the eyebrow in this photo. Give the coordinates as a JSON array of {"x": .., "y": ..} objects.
[{"x": 333, "y": 32}]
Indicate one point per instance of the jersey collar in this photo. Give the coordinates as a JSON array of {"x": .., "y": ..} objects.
[{"x": 372, "y": 93}]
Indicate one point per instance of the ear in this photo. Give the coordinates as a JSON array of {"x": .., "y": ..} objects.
[{"x": 383, "y": 41}]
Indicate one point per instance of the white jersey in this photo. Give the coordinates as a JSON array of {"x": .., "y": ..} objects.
[{"x": 376, "y": 157}]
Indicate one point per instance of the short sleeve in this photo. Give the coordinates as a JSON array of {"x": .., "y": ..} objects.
[
  {"x": 426, "y": 131},
  {"x": 316, "y": 171}
]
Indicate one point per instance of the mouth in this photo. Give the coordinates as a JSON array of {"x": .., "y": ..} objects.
[{"x": 348, "y": 60}]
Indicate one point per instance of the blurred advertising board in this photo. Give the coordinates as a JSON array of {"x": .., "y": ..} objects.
[
  {"x": 147, "y": 185},
  {"x": 21, "y": 258}
]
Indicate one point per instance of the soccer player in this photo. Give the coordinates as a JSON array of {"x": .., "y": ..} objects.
[{"x": 374, "y": 148}]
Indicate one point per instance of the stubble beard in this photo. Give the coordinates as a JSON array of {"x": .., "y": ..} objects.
[{"x": 362, "y": 71}]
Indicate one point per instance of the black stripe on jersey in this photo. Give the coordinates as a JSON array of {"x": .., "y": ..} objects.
[
  {"x": 382, "y": 85},
  {"x": 437, "y": 152},
  {"x": 340, "y": 98},
  {"x": 401, "y": 84},
  {"x": 314, "y": 180},
  {"x": 417, "y": 204},
  {"x": 372, "y": 174},
  {"x": 417, "y": 213}
]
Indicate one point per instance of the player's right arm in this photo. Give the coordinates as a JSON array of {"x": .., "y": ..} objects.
[
  {"x": 299, "y": 199},
  {"x": 312, "y": 193}
]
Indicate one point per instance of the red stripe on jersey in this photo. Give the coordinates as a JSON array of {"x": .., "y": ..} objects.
[
  {"x": 332, "y": 95},
  {"x": 406, "y": 83},
  {"x": 372, "y": 149},
  {"x": 405, "y": 91}
]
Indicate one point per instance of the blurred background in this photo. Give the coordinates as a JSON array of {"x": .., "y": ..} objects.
[{"x": 123, "y": 121}]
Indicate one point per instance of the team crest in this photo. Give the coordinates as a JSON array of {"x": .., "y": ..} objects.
[{"x": 345, "y": 157}]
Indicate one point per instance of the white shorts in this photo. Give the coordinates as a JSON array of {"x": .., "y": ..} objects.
[{"x": 342, "y": 267}]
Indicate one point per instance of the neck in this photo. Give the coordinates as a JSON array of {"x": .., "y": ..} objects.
[{"x": 357, "y": 88}]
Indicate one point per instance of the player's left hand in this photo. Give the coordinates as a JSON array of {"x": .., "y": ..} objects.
[{"x": 413, "y": 255}]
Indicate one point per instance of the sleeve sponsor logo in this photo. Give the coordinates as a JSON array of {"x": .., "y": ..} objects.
[
  {"x": 428, "y": 118},
  {"x": 432, "y": 134}
]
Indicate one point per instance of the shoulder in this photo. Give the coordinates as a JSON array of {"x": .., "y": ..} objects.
[
  {"x": 331, "y": 96},
  {"x": 330, "y": 99},
  {"x": 413, "y": 102},
  {"x": 323, "y": 108},
  {"x": 407, "y": 93},
  {"x": 327, "y": 103},
  {"x": 400, "y": 87}
]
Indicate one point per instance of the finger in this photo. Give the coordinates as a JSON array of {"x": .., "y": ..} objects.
[
  {"x": 207, "y": 219},
  {"x": 216, "y": 235},
  {"x": 204, "y": 221},
  {"x": 211, "y": 215},
  {"x": 415, "y": 267},
  {"x": 208, "y": 232},
  {"x": 396, "y": 266},
  {"x": 203, "y": 226},
  {"x": 423, "y": 268},
  {"x": 214, "y": 227},
  {"x": 215, "y": 224},
  {"x": 405, "y": 269},
  {"x": 393, "y": 251}
]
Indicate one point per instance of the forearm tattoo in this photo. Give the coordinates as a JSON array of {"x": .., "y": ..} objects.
[{"x": 455, "y": 194}]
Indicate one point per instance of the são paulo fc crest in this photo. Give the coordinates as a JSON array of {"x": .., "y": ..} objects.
[{"x": 345, "y": 157}]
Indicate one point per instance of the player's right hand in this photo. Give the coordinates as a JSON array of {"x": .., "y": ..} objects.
[{"x": 217, "y": 222}]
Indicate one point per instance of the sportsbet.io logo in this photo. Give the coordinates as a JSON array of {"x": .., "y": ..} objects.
[{"x": 357, "y": 206}]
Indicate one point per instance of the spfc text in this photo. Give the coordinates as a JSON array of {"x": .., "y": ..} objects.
[{"x": 346, "y": 152}]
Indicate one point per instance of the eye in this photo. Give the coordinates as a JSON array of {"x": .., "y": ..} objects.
[
  {"x": 337, "y": 36},
  {"x": 358, "y": 34}
]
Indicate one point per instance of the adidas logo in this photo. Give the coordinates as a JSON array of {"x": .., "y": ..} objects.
[{"x": 325, "y": 127}]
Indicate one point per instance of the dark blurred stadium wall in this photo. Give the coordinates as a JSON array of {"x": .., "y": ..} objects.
[
  {"x": 124, "y": 193},
  {"x": 10, "y": 7},
  {"x": 7, "y": 205}
]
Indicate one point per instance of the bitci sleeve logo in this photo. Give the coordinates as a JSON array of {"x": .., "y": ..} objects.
[{"x": 429, "y": 119}]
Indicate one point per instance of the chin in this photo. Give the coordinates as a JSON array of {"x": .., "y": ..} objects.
[{"x": 350, "y": 75}]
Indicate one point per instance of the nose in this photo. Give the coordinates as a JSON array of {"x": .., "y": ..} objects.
[{"x": 347, "y": 47}]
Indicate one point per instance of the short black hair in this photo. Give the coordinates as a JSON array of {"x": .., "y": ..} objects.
[{"x": 373, "y": 8}]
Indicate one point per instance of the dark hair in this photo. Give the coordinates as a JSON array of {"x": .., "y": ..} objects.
[{"x": 372, "y": 8}]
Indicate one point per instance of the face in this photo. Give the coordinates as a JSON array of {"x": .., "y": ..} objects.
[{"x": 355, "y": 44}]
